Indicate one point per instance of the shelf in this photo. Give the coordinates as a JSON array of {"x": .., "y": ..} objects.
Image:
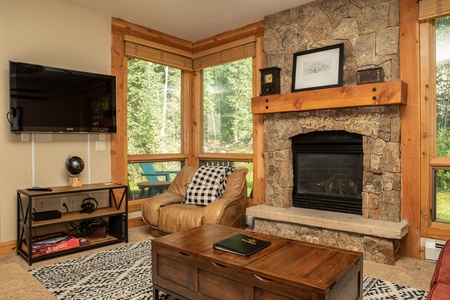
[
  {"x": 68, "y": 189},
  {"x": 77, "y": 216},
  {"x": 115, "y": 214},
  {"x": 94, "y": 243},
  {"x": 383, "y": 93}
]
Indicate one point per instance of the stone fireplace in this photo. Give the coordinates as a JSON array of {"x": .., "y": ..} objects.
[
  {"x": 378, "y": 230},
  {"x": 370, "y": 33}
]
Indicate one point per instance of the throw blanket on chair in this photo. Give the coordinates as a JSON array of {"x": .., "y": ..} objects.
[{"x": 207, "y": 185}]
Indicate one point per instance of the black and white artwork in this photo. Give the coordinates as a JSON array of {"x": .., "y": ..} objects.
[{"x": 318, "y": 68}]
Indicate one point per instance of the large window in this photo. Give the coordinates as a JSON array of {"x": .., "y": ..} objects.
[
  {"x": 154, "y": 125},
  {"x": 227, "y": 118},
  {"x": 226, "y": 114},
  {"x": 435, "y": 120},
  {"x": 441, "y": 177}
]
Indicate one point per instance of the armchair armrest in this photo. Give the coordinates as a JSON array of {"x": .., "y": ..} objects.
[
  {"x": 213, "y": 212},
  {"x": 150, "y": 208}
]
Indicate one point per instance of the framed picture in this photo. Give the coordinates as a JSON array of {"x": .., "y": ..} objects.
[{"x": 318, "y": 68}]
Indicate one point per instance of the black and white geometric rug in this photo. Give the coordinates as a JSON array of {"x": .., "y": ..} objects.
[
  {"x": 376, "y": 289},
  {"x": 126, "y": 273},
  {"x": 120, "y": 273}
]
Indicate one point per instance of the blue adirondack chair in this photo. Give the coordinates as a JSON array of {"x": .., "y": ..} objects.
[
  {"x": 157, "y": 181},
  {"x": 152, "y": 174}
]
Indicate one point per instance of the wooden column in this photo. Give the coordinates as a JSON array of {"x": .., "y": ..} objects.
[{"x": 410, "y": 133}]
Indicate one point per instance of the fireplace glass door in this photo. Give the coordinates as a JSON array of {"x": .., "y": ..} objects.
[{"x": 328, "y": 169}]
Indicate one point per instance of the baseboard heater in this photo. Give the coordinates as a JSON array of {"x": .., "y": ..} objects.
[{"x": 433, "y": 249}]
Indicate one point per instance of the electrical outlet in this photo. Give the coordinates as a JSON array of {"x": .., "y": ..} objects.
[
  {"x": 63, "y": 201},
  {"x": 41, "y": 205}
]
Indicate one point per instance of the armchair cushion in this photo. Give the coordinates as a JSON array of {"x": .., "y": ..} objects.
[{"x": 207, "y": 185}]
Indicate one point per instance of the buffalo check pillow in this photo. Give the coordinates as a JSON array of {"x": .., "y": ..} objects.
[{"x": 207, "y": 185}]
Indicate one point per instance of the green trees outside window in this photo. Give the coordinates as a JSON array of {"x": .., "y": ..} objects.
[
  {"x": 441, "y": 177},
  {"x": 154, "y": 117},
  {"x": 227, "y": 118},
  {"x": 154, "y": 108}
]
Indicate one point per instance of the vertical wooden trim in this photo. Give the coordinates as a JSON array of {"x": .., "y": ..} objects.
[
  {"x": 119, "y": 140},
  {"x": 197, "y": 118},
  {"x": 426, "y": 113},
  {"x": 259, "y": 179},
  {"x": 410, "y": 132},
  {"x": 188, "y": 122}
]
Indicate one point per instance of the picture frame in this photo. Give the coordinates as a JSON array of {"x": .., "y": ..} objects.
[{"x": 318, "y": 68}]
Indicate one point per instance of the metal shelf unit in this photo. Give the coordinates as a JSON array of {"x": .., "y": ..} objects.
[{"x": 116, "y": 215}]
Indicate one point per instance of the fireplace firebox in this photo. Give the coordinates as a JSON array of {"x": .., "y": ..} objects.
[{"x": 328, "y": 171}]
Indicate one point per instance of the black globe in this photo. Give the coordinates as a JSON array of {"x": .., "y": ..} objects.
[{"x": 74, "y": 165}]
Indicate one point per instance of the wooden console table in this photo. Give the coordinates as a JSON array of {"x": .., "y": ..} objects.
[{"x": 186, "y": 266}]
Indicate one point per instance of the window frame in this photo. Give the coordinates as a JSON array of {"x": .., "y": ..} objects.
[{"x": 429, "y": 160}]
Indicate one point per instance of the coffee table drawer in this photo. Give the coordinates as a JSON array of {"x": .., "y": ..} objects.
[
  {"x": 219, "y": 287},
  {"x": 174, "y": 271}
]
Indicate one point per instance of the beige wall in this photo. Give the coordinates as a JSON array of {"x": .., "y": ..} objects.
[{"x": 60, "y": 34}]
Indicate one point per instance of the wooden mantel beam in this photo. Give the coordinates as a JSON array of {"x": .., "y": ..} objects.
[{"x": 383, "y": 93}]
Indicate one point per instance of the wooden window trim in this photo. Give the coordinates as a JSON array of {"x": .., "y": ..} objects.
[{"x": 429, "y": 160}]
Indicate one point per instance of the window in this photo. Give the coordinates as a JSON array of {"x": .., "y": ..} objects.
[
  {"x": 441, "y": 177},
  {"x": 154, "y": 124},
  {"x": 435, "y": 115},
  {"x": 227, "y": 118},
  {"x": 441, "y": 195}
]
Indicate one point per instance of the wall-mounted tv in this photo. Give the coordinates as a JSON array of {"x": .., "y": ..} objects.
[{"x": 48, "y": 99}]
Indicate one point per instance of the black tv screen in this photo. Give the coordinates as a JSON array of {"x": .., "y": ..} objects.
[{"x": 48, "y": 99}]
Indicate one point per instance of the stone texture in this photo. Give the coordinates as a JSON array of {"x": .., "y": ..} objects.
[
  {"x": 369, "y": 30},
  {"x": 381, "y": 156},
  {"x": 381, "y": 250}
]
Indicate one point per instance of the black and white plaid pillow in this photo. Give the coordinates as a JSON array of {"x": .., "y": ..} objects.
[{"x": 207, "y": 185}]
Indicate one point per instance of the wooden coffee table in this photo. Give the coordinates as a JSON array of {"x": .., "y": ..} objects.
[{"x": 186, "y": 266}]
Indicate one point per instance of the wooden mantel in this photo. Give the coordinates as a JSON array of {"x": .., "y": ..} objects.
[{"x": 383, "y": 93}]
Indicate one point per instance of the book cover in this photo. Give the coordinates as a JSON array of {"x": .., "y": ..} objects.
[{"x": 241, "y": 244}]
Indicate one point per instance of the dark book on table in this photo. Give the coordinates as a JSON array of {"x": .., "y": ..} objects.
[{"x": 241, "y": 244}]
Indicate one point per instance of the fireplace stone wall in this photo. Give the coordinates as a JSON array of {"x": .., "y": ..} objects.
[
  {"x": 370, "y": 33},
  {"x": 380, "y": 128}
]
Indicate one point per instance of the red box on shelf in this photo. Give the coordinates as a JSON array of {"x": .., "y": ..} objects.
[{"x": 51, "y": 243}]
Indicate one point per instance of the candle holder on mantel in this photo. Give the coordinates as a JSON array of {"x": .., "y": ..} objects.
[{"x": 74, "y": 166}]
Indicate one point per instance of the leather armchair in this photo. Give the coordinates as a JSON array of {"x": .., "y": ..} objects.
[{"x": 165, "y": 213}]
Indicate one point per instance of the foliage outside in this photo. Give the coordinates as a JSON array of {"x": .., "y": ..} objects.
[
  {"x": 154, "y": 108},
  {"x": 442, "y": 177},
  {"x": 154, "y": 113},
  {"x": 227, "y": 118},
  {"x": 442, "y": 188}
]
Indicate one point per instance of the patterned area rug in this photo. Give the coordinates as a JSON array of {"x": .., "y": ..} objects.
[
  {"x": 376, "y": 289},
  {"x": 126, "y": 273}
]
